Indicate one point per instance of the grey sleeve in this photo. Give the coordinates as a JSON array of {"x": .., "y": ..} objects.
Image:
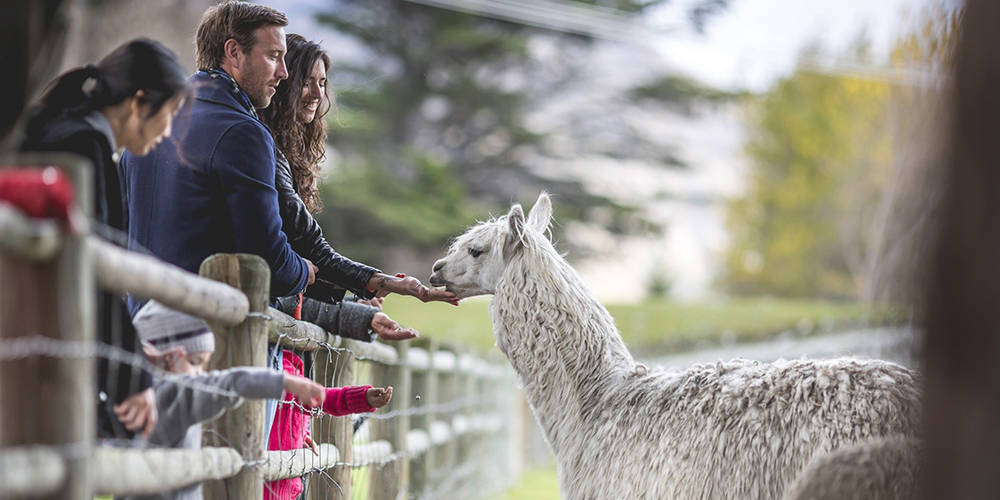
[
  {"x": 347, "y": 319},
  {"x": 183, "y": 401}
]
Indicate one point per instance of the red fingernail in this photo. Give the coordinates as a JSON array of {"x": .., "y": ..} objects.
[{"x": 400, "y": 275}]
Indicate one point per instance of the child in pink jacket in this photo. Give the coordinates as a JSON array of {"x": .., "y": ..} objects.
[{"x": 290, "y": 430}]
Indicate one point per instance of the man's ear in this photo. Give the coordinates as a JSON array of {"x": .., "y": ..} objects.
[
  {"x": 515, "y": 221},
  {"x": 541, "y": 213},
  {"x": 232, "y": 53}
]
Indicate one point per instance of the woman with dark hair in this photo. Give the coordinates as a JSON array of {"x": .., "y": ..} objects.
[
  {"x": 129, "y": 99},
  {"x": 295, "y": 118}
]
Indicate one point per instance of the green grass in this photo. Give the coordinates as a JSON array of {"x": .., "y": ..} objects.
[
  {"x": 535, "y": 484},
  {"x": 652, "y": 326}
]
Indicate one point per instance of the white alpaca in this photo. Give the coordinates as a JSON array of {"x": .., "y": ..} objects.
[{"x": 730, "y": 430}]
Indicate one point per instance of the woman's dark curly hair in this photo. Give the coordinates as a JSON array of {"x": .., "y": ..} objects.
[{"x": 304, "y": 145}]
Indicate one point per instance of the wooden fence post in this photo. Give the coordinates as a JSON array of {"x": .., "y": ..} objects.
[
  {"x": 391, "y": 481},
  {"x": 53, "y": 299},
  {"x": 334, "y": 370},
  {"x": 242, "y": 345}
]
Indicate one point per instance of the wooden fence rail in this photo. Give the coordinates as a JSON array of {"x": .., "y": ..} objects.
[{"x": 446, "y": 402}]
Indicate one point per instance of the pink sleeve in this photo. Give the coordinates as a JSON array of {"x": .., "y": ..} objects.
[{"x": 342, "y": 401}]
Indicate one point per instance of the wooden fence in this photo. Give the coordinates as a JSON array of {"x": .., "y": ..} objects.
[{"x": 451, "y": 430}]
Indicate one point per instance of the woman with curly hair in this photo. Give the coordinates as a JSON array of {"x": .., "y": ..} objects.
[{"x": 295, "y": 118}]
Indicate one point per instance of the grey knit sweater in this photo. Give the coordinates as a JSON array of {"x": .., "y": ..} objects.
[
  {"x": 345, "y": 318},
  {"x": 184, "y": 402}
]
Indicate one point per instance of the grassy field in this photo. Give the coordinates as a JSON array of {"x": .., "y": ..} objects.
[
  {"x": 652, "y": 326},
  {"x": 535, "y": 484}
]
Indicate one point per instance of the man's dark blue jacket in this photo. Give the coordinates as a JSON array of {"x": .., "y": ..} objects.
[{"x": 210, "y": 189}]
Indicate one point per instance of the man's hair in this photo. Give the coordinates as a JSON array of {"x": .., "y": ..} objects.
[{"x": 231, "y": 19}]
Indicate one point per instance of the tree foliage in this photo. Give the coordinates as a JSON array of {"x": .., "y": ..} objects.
[
  {"x": 429, "y": 127},
  {"x": 828, "y": 174}
]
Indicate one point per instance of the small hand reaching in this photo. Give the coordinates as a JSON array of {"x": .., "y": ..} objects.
[
  {"x": 378, "y": 397},
  {"x": 387, "y": 329},
  {"x": 312, "y": 444},
  {"x": 309, "y": 393},
  {"x": 138, "y": 412}
]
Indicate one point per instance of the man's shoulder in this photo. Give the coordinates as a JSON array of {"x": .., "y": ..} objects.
[{"x": 219, "y": 125}]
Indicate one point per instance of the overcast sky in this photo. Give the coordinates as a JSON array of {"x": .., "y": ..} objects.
[{"x": 754, "y": 42}]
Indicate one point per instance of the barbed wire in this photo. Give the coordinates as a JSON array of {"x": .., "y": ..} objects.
[{"x": 30, "y": 346}]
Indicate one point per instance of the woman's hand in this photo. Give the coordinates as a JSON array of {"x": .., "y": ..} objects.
[
  {"x": 387, "y": 329},
  {"x": 309, "y": 393},
  {"x": 408, "y": 285},
  {"x": 378, "y": 397},
  {"x": 138, "y": 411}
]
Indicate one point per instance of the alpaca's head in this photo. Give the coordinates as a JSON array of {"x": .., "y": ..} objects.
[{"x": 476, "y": 260}]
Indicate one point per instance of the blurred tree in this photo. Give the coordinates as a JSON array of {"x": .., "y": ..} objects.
[
  {"x": 842, "y": 186},
  {"x": 429, "y": 129},
  {"x": 820, "y": 150}
]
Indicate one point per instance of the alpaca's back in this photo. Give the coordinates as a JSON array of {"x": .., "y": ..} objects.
[{"x": 736, "y": 429}]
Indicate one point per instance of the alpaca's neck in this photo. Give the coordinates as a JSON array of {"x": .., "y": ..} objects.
[{"x": 559, "y": 339}]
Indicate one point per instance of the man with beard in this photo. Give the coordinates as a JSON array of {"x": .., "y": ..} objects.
[{"x": 210, "y": 188}]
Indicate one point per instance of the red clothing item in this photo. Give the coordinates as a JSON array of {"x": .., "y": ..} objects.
[
  {"x": 43, "y": 193},
  {"x": 291, "y": 425}
]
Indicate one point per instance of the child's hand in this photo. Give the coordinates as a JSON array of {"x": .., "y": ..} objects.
[
  {"x": 312, "y": 444},
  {"x": 387, "y": 329},
  {"x": 138, "y": 412},
  {"x": 310, "y": 393},
  {"x": 378, "y": 397}
]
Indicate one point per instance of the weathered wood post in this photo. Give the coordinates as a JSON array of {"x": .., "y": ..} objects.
[
  {"x": 334, "y": 369},
  {"x": 52, "y": 298},
  {"x": 425, "y": 385},
  {"x": 242, "y": 345},
  {"x": 392, "y": 480}
]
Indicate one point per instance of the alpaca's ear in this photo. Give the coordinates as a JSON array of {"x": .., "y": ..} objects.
[
  {"x": 515, "y": 218},
  {"x": 541, "y": 213}
]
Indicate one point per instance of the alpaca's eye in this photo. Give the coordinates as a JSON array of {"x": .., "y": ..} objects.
[{"x": 475, "y": 252}]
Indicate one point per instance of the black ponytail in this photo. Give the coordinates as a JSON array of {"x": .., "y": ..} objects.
[{"x": 141, "y": 64}]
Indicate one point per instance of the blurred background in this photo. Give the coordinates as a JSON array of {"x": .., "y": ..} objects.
[{"x": 732, "y": 177}]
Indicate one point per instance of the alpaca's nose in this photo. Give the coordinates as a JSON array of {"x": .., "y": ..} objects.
[{"x": 436, "y": 279}]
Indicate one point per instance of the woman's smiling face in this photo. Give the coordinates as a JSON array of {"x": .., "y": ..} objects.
[{"x": 313, "y": 92}]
